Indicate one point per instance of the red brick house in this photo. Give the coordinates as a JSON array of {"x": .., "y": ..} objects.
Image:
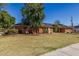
[
  {"x": 64, "y": 29},
  {"x": 45, "y": 28}
]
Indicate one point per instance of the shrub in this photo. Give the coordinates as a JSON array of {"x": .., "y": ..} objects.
[
  {"x": 1, "y": 29},
  {"x": 13, "y": 31}
]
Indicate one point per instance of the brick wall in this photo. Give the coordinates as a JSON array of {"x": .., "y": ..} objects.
[
  {"x": 68, "y": 30},
  {"x": 40, "y": 30}
]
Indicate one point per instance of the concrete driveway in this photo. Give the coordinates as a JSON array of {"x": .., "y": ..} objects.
[{"x": 72, "y": 50}]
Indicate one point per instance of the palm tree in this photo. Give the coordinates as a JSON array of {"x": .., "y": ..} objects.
[{"x": 33, "y": 15}]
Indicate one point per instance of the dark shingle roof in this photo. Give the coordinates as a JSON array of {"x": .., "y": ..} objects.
[
  {"x": 76, "y": 26},
  {"x": 47, "y": 25},
  {"x": 62, "y": 26},
  {"x": 51, "y": 25}
]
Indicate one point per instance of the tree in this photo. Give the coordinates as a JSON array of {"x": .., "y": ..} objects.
[
  {"x": 33, "y": 15},
  {"x": 12, "y": 20},
  {"x": 6, "y": 20},
  {"x": 1, "y": 6},
  {"x": 56, "y": 26}
]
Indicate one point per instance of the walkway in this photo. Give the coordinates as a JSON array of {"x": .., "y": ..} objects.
[{"x": 72, "y": 50}]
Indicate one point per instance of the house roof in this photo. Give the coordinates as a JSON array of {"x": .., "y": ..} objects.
[
  {"x": 49, "y": 25},
  {"x": 62, "y": 26},
  {"x": 43, "y": 25},
  {"x": 18, "y": 24},
  {"x": 46, "y": 25},
  {"x": 76, "y": 26}
]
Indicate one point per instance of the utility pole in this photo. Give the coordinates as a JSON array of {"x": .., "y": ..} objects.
[{"x": 72, "y": 24}]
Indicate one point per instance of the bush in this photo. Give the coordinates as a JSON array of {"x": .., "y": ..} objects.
[
  {"x": 13, "y": 31},
  {"x": 1, "y": 29}
]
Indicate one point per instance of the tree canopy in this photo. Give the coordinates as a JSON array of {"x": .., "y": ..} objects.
[
  {"x": 2, "y": 5},
  {"x": 57, "y": 22},
  {"x": 6, "y": 20},
  {"x": 56, "y": 26},
  {"x": 33, "y": 15}
]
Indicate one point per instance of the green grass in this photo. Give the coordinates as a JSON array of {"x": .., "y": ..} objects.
[{"x": 21, "y": 44}]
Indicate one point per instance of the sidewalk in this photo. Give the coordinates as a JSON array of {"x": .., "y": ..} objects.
[{"x": 72, "y": 50}]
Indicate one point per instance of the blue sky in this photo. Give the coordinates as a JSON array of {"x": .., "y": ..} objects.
[{"x": 53, "y": 12}]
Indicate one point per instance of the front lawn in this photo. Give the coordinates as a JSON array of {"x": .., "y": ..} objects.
[{"x": 21, "y": 44}]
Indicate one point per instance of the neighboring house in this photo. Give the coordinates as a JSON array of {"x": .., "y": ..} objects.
[
  {"x": 76, "y": 28},
  {"x": 45, "y": 28},
  {"x": 64, "y": 29}
]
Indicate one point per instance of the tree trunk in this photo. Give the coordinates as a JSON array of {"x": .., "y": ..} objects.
[{"x": 35, "y": 31}]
